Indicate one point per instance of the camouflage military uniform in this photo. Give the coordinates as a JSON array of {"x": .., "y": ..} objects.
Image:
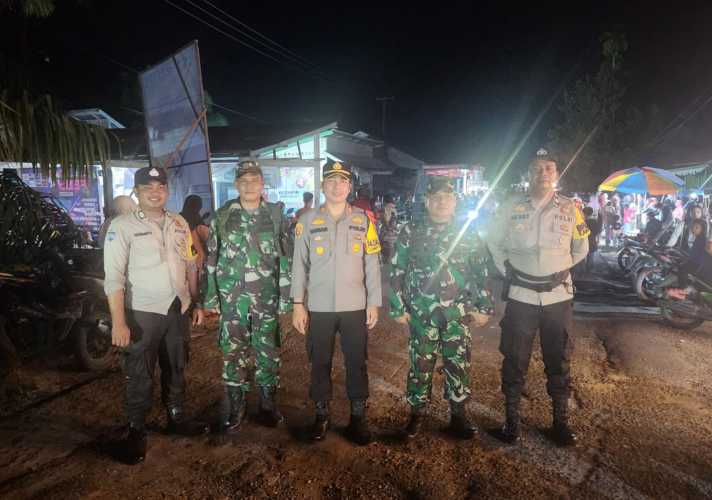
[
  {"x": 438, "y": 280},
  {"x": 247, "y": 280}
]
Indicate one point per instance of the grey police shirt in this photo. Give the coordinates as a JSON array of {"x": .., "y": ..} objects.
[{"x": 336, "y": 262}]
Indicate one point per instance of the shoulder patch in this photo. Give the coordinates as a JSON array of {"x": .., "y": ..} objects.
[
  {"x": 581, "y": 230},
  {"x": 372, "y": 243},
  {"x": 298, "y": 229}
]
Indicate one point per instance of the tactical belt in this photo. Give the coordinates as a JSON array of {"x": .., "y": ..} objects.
[{"x": 537, "y": 283}]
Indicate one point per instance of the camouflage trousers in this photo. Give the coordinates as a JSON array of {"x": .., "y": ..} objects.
[
  {"x": 426, "y": 342},
  {"x": 250, "y": 327}
]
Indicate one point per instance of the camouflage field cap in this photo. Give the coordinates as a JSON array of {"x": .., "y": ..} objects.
[
  {"x": 439, "y": 184},
  {"x": 248, "y": 167}
]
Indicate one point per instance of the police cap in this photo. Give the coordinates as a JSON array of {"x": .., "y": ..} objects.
[
  {"x": 146, "y": 175},
  {"x": 546, "y": 155},
  {"x": 332, "y": 168}
]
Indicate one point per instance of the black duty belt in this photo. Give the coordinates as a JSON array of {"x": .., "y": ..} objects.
[{"x": 537, "y": 283}]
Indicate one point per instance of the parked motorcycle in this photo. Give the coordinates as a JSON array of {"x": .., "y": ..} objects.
[
  {"x": 37, "y": 319},
  {"x": 688, "y": 309},
  {"x": 658, "y": 265},
  {"x": 51, "y": 286},
  {"x": 681, "y": 308},
  {"x": 628, "y": 253}
]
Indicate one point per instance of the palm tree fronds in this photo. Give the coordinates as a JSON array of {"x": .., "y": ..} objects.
[{"x": 34, "y": 131}]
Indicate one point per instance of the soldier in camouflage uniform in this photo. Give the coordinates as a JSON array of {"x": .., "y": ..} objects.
[
  {"x": 437, "y": 288},
  {"x": 247, "y": 281}
]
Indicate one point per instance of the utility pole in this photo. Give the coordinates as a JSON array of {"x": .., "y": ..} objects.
[{"x": 384, "y": 113}]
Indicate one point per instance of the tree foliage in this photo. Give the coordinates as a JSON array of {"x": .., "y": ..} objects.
[
  {"x": 34, "y": 131},
  {"x": 29, "y": 8},
  {"x": 593, "y": 108}
]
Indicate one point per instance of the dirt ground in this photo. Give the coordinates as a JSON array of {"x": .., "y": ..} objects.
[{"x": 642, "y": 409}]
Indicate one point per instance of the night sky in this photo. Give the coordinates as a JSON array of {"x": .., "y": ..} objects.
[{"x": 467, "y": 80}]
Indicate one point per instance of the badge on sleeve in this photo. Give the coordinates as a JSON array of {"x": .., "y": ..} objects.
[
  {"x": 298, "y": 229},
  {"x": 372, "y": 243},
  {"x": 110, "y": 236},
  {"x": 190, "y": 252},
  {"x": 581, "y": 230}
]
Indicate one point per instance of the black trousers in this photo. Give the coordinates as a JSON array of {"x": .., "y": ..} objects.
[
  {"x": 323, "y": 327},
  {"x": 154, "y": 336},
  {"x": 519, "y": 326}
]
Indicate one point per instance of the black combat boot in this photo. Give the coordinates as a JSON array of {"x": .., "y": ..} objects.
[
  {"x": 322, "y": 421},
  {"x": 133, "y": 450},
  {"x": 460, "y": 426},
  {"x": 357, "y": 430},
  {"x": 268, "y": 414},
  {"x": 179, "y": 424},
  {"x": 233, "y": 410},
  {"x": 561, "y": 433},
  {"x": 510, "y": 433},
  {"x": 415, "y": 424}
]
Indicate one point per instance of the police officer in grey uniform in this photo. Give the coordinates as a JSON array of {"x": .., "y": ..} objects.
[
  {"x": 336, "y": 287},
  {"x": 536, "y": 239},
  {"x": 150, "y": 277}
]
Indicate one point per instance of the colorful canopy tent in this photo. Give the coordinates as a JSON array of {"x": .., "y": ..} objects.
[{"x": 654, "y": 181}]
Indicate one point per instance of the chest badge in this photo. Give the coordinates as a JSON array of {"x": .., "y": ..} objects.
[
  {"x": 356, "y": 247},
  {"x": 564, "y": 227},
  {"x": 357, "y": 219},
  {"x": 519, "y": 227},
  {"x": 318, "y": 238},
  {"x": 318, "y": 222},
  {"x": 520, "y": 208},
  {"x": 320, "y": 250}
]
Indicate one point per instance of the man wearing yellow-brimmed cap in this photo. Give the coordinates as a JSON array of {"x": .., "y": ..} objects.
[{"x": 336, "y": 287}]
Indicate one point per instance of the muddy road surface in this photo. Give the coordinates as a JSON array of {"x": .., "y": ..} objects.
[{"x": 642, "y": 407}]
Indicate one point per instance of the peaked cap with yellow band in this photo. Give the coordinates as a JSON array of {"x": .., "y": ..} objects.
[{"x": 332, "y": 168}]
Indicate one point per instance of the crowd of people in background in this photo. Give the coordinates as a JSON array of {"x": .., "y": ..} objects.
[{"x": 666, "y": 220}]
